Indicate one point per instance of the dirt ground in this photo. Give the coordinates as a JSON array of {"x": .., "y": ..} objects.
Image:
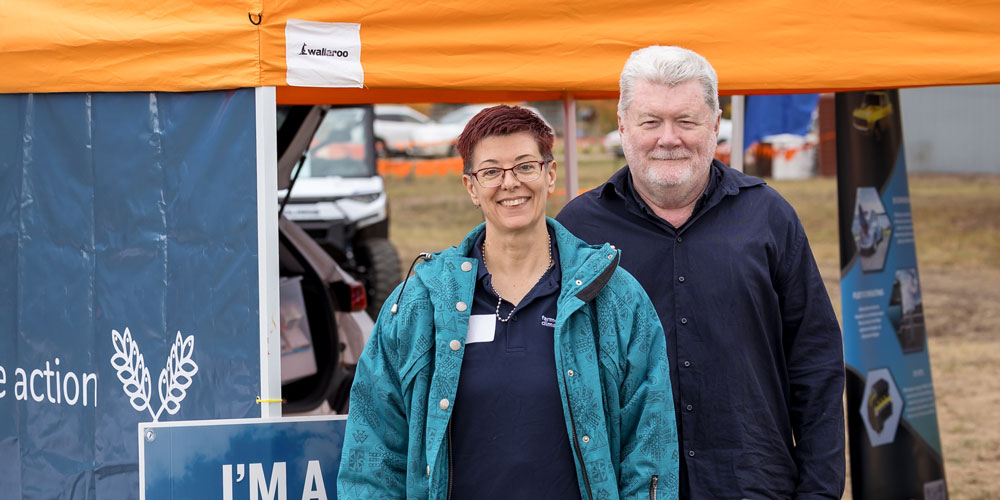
[{"x": 957, "y": 227}]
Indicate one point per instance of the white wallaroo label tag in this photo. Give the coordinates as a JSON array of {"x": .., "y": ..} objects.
[{"x": 323, "y": 54}]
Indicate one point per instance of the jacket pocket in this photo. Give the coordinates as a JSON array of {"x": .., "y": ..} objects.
[{"x": 652, "y": 487}]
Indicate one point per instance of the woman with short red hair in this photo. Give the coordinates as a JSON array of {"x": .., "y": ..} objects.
[{"x": 521, "y": 364}]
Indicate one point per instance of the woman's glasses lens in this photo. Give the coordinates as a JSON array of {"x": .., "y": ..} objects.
[{"x": 524, "y": 172}]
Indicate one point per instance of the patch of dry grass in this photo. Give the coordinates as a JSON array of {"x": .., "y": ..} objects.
[{"x": 957, "y": 222}]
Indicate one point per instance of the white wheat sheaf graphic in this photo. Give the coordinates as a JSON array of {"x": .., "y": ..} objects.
[{"x": 173, "y": 382}]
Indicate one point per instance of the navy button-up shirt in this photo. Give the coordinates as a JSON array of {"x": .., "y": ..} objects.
[
  {"x": 508, "y": 432},
  {"x": 756, "y": 354}
]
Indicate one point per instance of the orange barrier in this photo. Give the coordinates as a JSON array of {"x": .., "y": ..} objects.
[
  {"x": 390, "y": 167},
  {"x": 765, "y": 150}
]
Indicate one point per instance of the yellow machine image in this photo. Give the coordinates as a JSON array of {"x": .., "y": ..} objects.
[
  {"x": 874, "y": 108},
  {"x": 879, "y": 405}
]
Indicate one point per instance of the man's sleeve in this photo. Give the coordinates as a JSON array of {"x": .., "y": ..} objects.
[
  {"x": 373, "y": 464},
  {"x": 814, "y": 355}
]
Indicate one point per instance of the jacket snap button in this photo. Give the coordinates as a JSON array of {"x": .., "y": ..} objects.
[
  {"x": 586, "y": 439},
  {"x": 687, "y": 363},
  {"x": 455, "y": 345},
  {"x": 444, "y": 404},
  {"x": 578, "y": 282},
  {"x": 466, "y": 266},
  {"x": 681, "y": 279},
  {"x": 611, "y": 256},
  {"x": 689, "y": 407},
  {"x": 570, "y": 373},
  {"x": 461, "y": 306},
  {"x": 684, "y": 321},
  {"x": 428, "y": 470},
  {"x": 691, "y": 453}
]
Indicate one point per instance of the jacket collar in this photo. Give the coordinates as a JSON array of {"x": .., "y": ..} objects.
[{"x": 585, "y": 269}]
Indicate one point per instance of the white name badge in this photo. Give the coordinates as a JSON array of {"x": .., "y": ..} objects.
[{"x": 482, "y": 328}]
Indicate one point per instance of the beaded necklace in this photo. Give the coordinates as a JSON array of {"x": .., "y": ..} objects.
[{"x": 499, "y": 298}]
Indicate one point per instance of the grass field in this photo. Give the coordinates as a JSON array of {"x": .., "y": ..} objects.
[{"x": 957, "y": 226}]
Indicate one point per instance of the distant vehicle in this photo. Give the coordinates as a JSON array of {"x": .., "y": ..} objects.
[
  {"x": 331, "y": 303},
  {"x": 874, "y": 108},
  {"x": 438, "y": 139},
  {"x": 340, "y": 200},
  {"x": 395, "y": 128},
  {"x": 725, "y": 130},
  {"x": 613, "y": 144}
]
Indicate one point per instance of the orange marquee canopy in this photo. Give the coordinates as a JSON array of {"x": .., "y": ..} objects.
[{"x": 474, "y": 50}]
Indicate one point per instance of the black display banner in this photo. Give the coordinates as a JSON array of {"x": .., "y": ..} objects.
[{"x": 895, "y": 447}]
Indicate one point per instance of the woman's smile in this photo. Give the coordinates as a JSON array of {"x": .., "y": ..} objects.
[{"x": 514, "y": 202}]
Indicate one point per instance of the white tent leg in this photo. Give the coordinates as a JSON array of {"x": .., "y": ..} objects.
[
  {"x": 738, "y": 112},
  {"x": 569, "y": 139},
  {"x": 267, "y": 253}
]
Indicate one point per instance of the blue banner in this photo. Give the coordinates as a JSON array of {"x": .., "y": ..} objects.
[
  {"x": 894, "y": 442},
  {"x": 128, "y": 283},
  {"x": 295, "y": 458}
]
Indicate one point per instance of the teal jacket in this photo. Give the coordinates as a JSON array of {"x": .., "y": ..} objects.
[{"x": 611, "y": 367}]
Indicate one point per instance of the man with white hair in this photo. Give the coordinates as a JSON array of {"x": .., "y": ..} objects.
[{"x": 756, "y": 354}]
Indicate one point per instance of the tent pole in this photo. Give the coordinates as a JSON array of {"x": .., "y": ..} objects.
[
  {"x": 738, "y": 112},
  {"x": 267, "y": 253},
  {"x": 569, "y": 140}
]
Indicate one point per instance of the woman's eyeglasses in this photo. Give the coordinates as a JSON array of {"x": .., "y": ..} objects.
[{"x": 526, "y": 171}]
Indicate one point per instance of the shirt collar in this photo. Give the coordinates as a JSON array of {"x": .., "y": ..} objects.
[{"x": 723, "y": 181}]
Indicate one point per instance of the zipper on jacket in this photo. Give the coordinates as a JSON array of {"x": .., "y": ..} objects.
[
  {"x": 451, "y": 468},
  {"x": 652, "y": 487},
  {"x": 576, "y": 442}
]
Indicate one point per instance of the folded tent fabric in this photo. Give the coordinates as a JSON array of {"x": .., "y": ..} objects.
[{"x": 456, "y": 50}]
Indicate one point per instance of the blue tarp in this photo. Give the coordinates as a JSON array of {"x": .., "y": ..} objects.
[
  {"x": 777, "y": 114},
  {"x": 128, "y": 280}
]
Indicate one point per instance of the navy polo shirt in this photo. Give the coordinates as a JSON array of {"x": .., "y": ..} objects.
[
  {"x": 508, "y": 434},
  {"x": 756, "y": 355}
]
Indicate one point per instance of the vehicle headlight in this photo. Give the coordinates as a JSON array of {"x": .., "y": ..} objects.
[{"x": 364, "y": 198}]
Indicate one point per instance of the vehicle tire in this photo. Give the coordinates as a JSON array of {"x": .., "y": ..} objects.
[{"x": 379, "y": 261}]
